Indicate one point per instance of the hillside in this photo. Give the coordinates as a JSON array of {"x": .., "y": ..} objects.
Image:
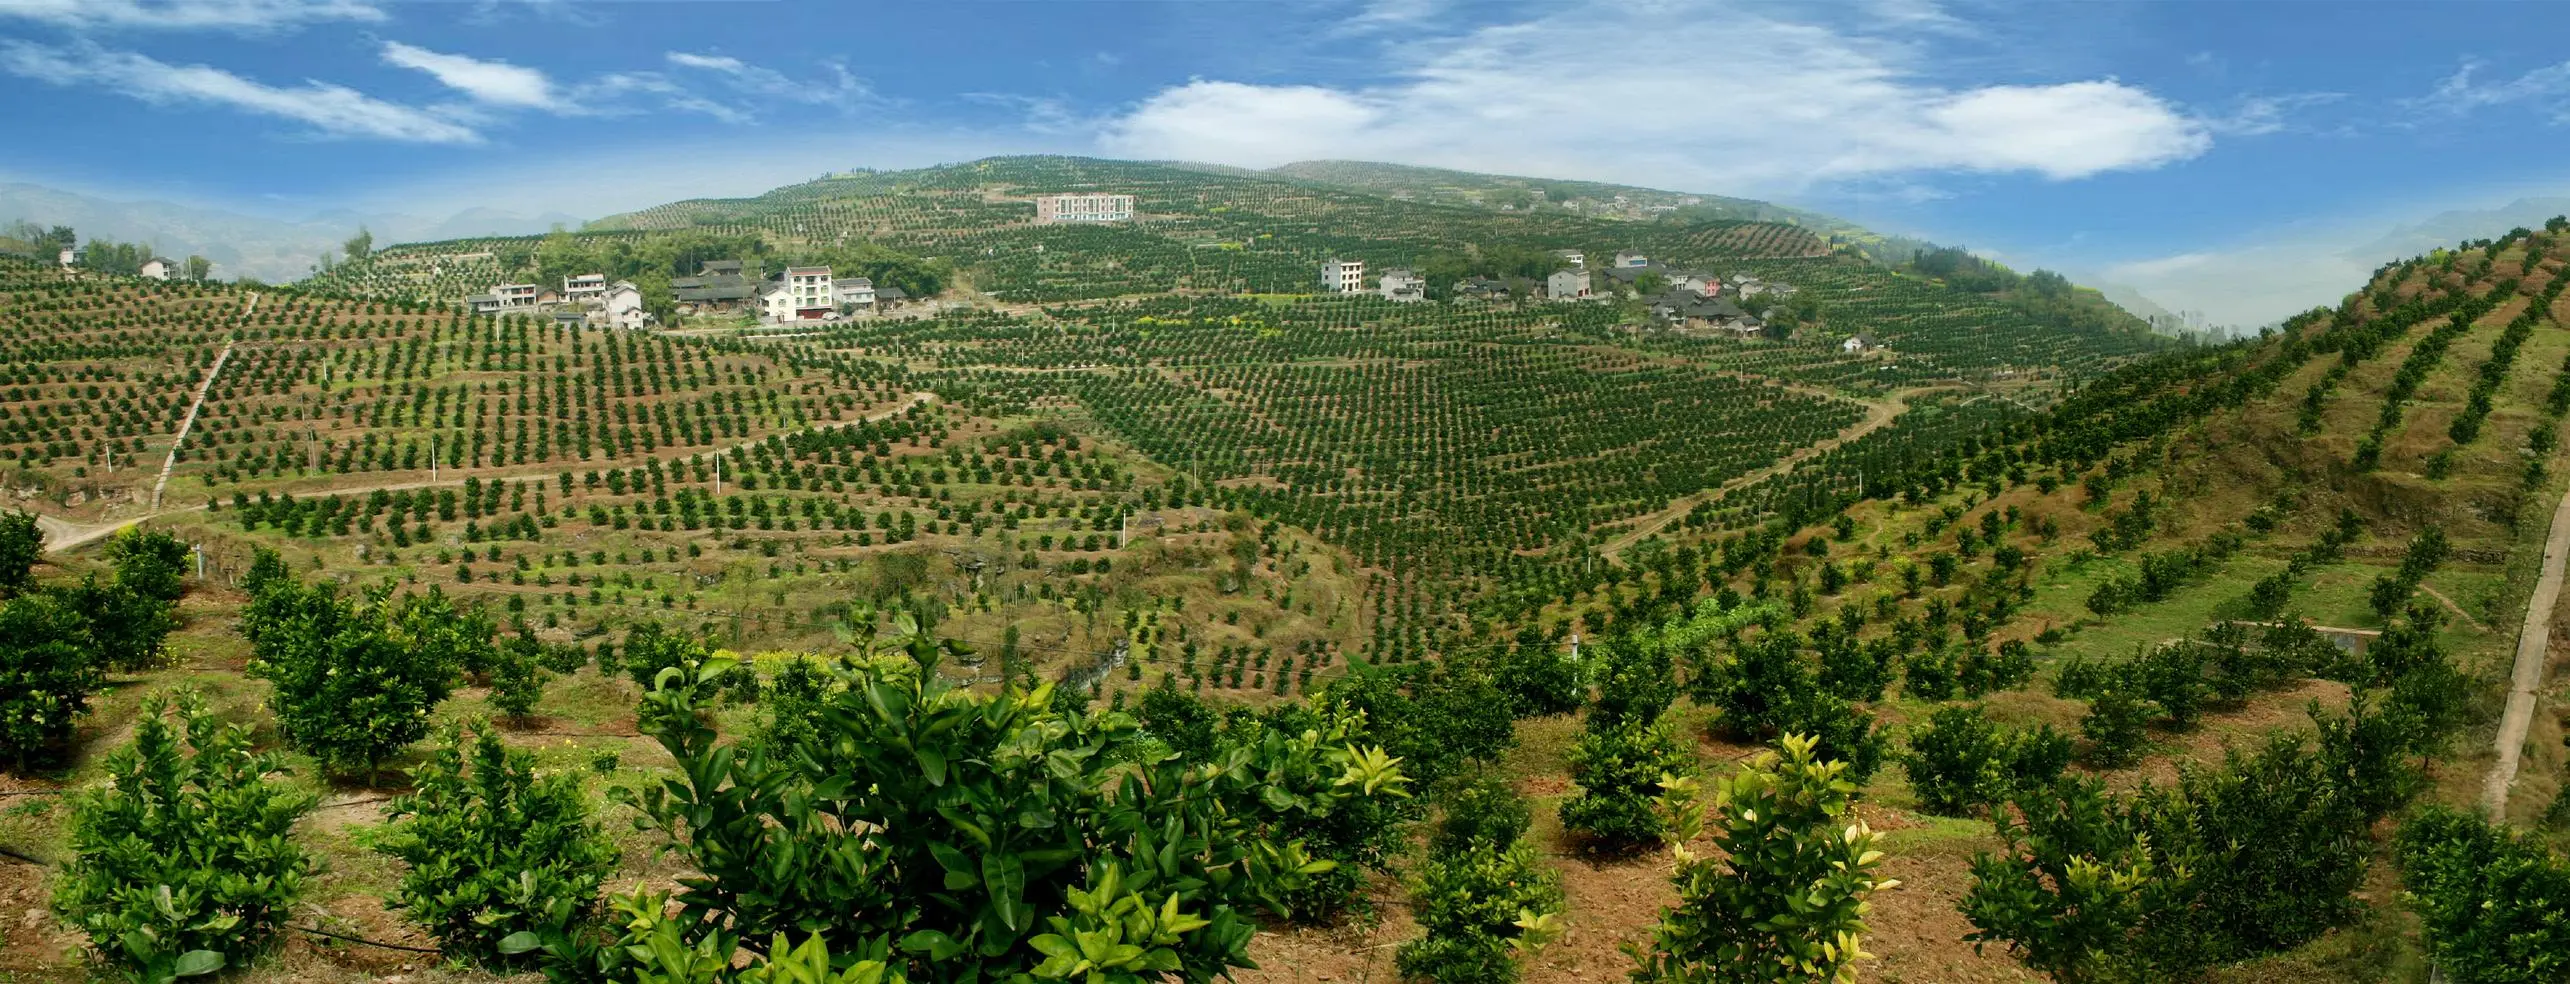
[{"x": 1557, "y": 548}]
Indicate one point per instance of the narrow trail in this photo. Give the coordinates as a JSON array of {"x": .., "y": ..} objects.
[
  {"x": 185, "y": 425},
  {"x": 62, "y": 534},
  {"x": 2533, "y": 649},
  {"x": 1878, "y": 415}
]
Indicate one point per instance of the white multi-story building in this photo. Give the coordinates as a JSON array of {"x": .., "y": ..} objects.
[
  {"x": 622, "y": 305},
  {"x": 158, "y": 268},
  {"x": 857, "y": 292},
  {"x": 811, "y": 292},
  {"x": 1631, "y": 258},
  {"x": 1084, "y": 208},
  {"x": 1567, "y": 285},
  {"x": 584, "y": 287},
  {"x": 1575, "y": 259},
  {"x": 1402, "y": 285},
  {"x": 516, "y": 297},
  {"x": 1343, "y": 276}
]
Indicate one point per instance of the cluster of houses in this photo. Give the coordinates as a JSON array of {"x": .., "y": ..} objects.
[
  {"x": 803, "y": 293},
  {"x": 584, "y": 299},
  {"x": 1690, "y": 300},
  {"x": 795, "y": 294}
]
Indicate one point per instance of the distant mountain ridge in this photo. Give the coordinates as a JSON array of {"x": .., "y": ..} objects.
[{"x": 245, "y": 245}]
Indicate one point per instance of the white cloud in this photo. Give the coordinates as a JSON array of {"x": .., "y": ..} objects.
[
  {"x": 190, "y": 15},
  {"x": 2257, "y": 116},
  {"x": 840, "y": 88},
  {"x": 495, "y": 82},
  {"x": 2460, "y": 94},
  {"x": 1709, "y": 96},
  {"x": 330, "y": 110}
]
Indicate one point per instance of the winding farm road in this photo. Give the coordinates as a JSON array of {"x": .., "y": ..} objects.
[
  {"x": 62, "y": 534},
  {"x": 2533, "y": 649}
]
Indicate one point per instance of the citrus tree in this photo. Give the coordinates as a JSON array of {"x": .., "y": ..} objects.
[
  {"x": 183, "y": 863},
  {"x": 1785, "y": 900},
  {"x": 960, "y": 836}
]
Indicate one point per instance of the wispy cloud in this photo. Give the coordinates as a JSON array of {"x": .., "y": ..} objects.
[
  {"x": 190, "y": 15},
  {"x": 329, "y": 110},
  {"x": 497, "y": 83},
  {"x": 838, "y": 87},
  {"x": 1705, "y": 95},
  {"x": 2257, "y": 116},
  {"x": 2460, "y": 94}
]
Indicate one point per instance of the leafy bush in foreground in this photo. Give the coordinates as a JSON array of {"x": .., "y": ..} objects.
[
  {"x": 184, "y": 864},
  {"x": 491, "y": 848}
]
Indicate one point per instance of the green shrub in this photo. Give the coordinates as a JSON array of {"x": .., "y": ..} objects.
[
  {"x": 2083, "y": 893},
  {"x": 48, "y": 670},
  {"x": 2116, "y": 725},
  {"x": 151, "y": 563},
  {"x": 1539, "y": 679},
  {"x": 348, "y": 689},
  {"x": 1785, "y": 898},
  {"x": 1619, "y": 770},
  {"x": 22, "y": 544},
  {"x": 2495, "y": 903},
  {"x": 1959, "y": 760},
  {"x": 964, "y": 836},
  {"x": 186, "y": 860},
  {"x": 1484, "y": 810},
  {"x": 491, "y": 849},
  {"x": 1483, "y": 908}
]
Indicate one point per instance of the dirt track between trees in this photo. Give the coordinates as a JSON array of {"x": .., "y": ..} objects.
[{"x": 2533, "y": 649}]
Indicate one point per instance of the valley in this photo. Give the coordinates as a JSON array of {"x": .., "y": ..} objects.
[{"x": 1133, "y": 523}]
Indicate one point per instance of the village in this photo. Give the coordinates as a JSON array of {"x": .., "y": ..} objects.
[{"x": 1684, "y": 300}]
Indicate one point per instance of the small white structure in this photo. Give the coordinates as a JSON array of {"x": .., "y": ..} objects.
[
  {"x": 516, "y": 297},
  {"x": 776, "y": 304},
  {"x": 621, "y": 305},
  {"x": 484, "y": 303},
  {"x": 856, "y": 292},
  {"x": 1859, "y": 345},
  {"x": 1567, "y": 285},
  {"x": 1050, "y": 209},
  {"x": 584, "y": 287},
  {"x": 1402, "y": 286},
  {"x": 1631, "y": 258},
  {"x": 1343, "y": 276},
  {"x": 158, "y": 268},
  {"x": 1572, "y": 258},
  {"x": 70, "y": 257}
]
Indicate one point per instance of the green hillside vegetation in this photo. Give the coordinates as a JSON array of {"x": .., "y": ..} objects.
[{"x": 1142, "y": 612}]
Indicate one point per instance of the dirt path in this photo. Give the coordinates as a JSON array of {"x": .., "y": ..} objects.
[
  {"x": 189, "y": 422},
  {"x": 1878, "y": 415},
  {"x": 2533, "y": 647},
  {"x": 63, "y": 535}
]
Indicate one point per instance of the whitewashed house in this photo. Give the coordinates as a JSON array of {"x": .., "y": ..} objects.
[
  {"x": 1631, "y": 258},
  {"x": 776, "y": 304},
  {"x": 1403, "y": 286},
  {"x": 70, "y": 257},
  {"x": 620, "y": 305},
  {"x": 1859, "y": 344},
  {"x": 1567, "y": 285},
  {"x": 158, "y": 268},
  {"x": 1343, "y": 276},
  {"x": 812, "y": 292},
  {"x": 856, "y": 293},
  {"x": 584, "y": 287},
  {"x": 517, "y": 297}
]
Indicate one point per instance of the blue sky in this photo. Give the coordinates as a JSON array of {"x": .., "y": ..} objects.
[{"x": 2220, "y": 156}]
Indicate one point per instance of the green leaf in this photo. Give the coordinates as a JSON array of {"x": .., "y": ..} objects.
[
  {"x": 933, "y": 763},
  {"x": 1007, "y": 880},
  {"x": 197, "y": 963},
  {"x": 937, "y": 945},
  {"x": 517, "y": 942}
]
